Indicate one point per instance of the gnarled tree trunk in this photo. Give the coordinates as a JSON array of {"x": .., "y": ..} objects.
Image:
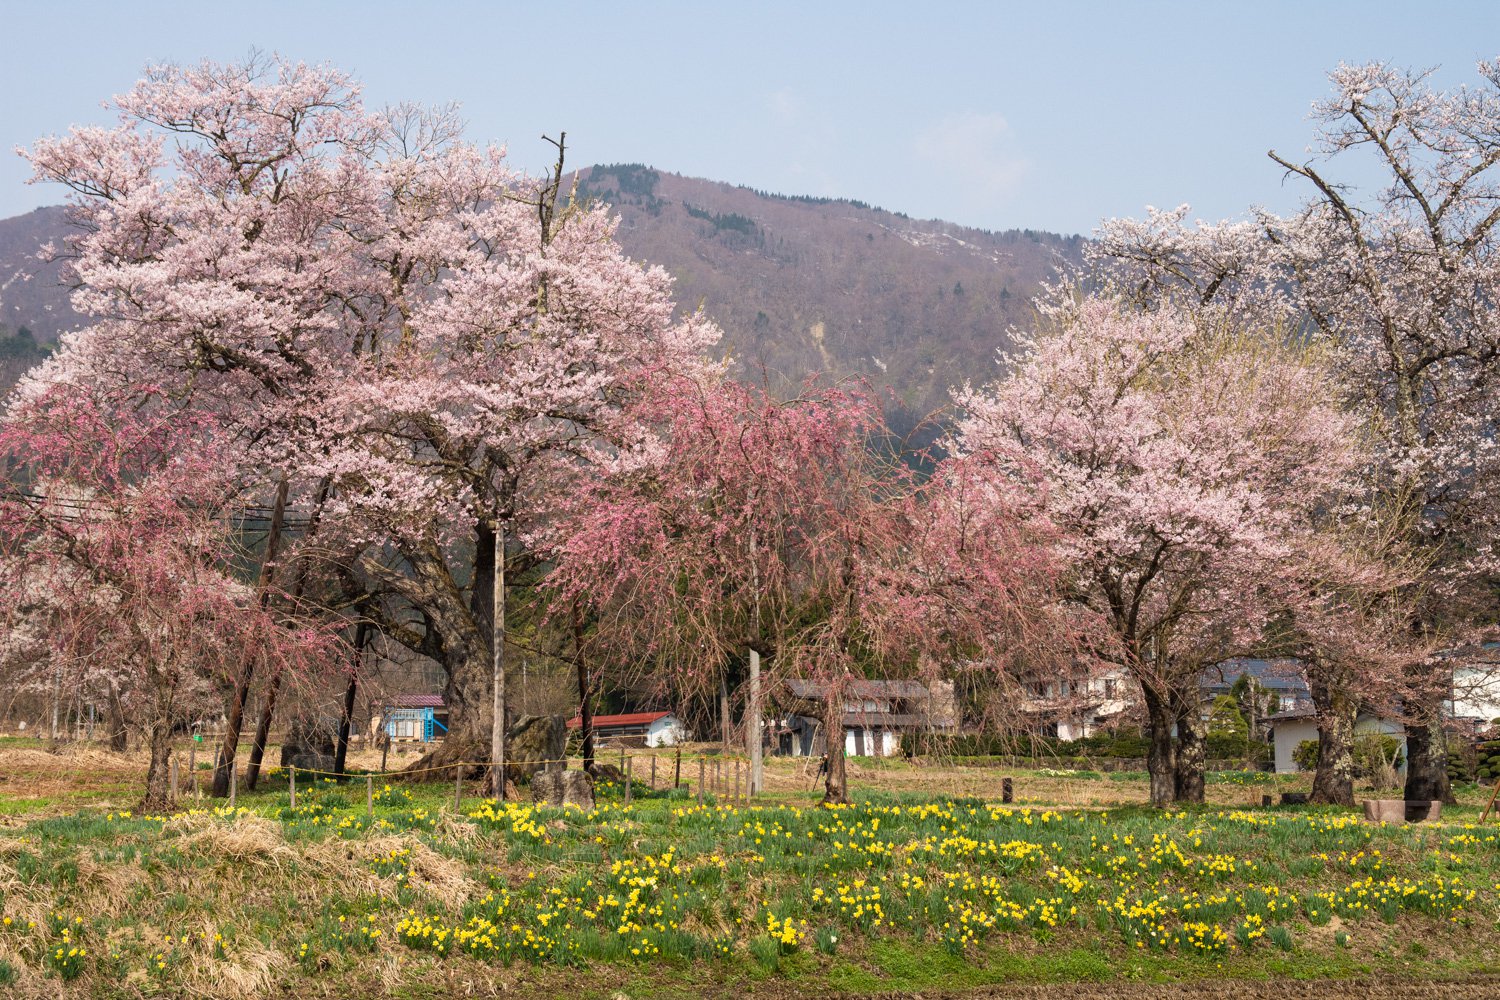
[
  {"x": 1161, "y": 757},
  {"x": 1333, "y": 781},
  {"x": 1427, "y": 758},
  {"x": 158, "y": 735},
  {"x": 1192, "y": 751}
]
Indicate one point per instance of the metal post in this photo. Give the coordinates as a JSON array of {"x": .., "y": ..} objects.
[
  {"x": 291, "y": 773},
  {"x": 369, "y": 798},
  {"x": 700, "y": 781}
]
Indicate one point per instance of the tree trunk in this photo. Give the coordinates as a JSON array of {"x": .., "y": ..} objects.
[
  {"x": 115, "y": 720},
  {"x": 235, "y": 713},
  {"x": 585, "y": 694},
  {"x": 262, "y": 730},
  {"x": 1161, "y": 762},
  {"x": 346, "y": 720},
  {"x": 1192, "y": 751},
  {"x": 1333, "y": 781},
  {"x": 1427, "y": 759},
  {"x": 836, "y": 783},
  {"x": 498, "y": 712},
  {"x": 158, "y": 798}
]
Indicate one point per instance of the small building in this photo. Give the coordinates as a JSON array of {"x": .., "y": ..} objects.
[
  {"x": 1292, "y": 728},
  {"x": 652, "y": 729},
  {"x": 419, "y": 717},
  {"x": 875, "y": 714}
]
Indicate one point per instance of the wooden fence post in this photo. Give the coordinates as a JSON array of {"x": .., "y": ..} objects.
[
  {"x": 193, "y": 766},
  {"x": 234, "y": 780},
  {"x": 677, "y": 770},
  {"x": 628, "y": 762},
  {"x": 458, "y": 785},
  {"x": 174, "y": 780},
  {"x": 1007, "y": 791},
  {"x": 622, "y": 757},
  {"x": 700, "y": 781},
  {"x": 653, "y": 772},
  {"x": 291, "y": 775},
  {"x": 369, "y": 798},
  {"x": 737, "y": 781}
]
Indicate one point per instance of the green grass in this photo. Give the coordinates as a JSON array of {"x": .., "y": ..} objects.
[{"x": 900, "y": 891}]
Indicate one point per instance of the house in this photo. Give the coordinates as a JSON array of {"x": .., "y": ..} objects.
[
  {"x": 1281, "y": 682},
  {"x": 652, "y": 729},
  {"x": 875, "y": 714},
  {"x": 1289, "y": 729},
  {"x": 421, "y": 717},
  {"x": 1072, "y": 709}
]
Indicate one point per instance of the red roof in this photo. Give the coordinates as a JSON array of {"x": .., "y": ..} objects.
[
  {"x": 632, "y": 719},
  {"x": 416, "y": 701}
]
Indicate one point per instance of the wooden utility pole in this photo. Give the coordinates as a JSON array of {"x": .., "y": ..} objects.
[{"x": 752, "y": 723}]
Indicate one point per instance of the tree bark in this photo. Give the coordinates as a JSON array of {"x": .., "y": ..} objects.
[
  {"x": 236, "y": 708},
  {"x": 115, "y": 720},
  {"x": 585, "y": 694},
  {"x": 262, "y": 730},
  {"x": 1427, "y": 758},
  {"x": 346, "y": 720},
  {"x": 158, "y": 798},
  {"x": 1190, "y": 765},
  {"x": 1333, "y": 781},
  {"x": 1161, "y": 758},
  {"x": 836, "y": 783}
]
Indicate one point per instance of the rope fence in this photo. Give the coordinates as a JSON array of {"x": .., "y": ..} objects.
[{"x": 719, "y": 780}]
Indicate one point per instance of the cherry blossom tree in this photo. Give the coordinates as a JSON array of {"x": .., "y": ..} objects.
[
  {"x": 423, "y": 344},
  {"x": 121, "y": 542},
  {"x": 1180, "y": 462},
  {"x": 1403, "y": 279},
  {"x": 790, "y": 529}
]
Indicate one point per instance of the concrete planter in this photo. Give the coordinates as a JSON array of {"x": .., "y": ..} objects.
[{"x": 1402, "y": 810}]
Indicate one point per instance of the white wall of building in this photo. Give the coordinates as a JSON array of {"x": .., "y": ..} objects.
[
  {"x": 1286, "y": 736},
  {"x": 665, "y": 732},
  {"x": 875, "y": 743}
]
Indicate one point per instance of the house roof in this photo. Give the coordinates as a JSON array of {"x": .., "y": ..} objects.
[
  {"x": 1273, "y": 675},
  {"x": 629, "y": 719},
  {"x": 415, "y": 701},
  {"x": 814, "y": 691}
]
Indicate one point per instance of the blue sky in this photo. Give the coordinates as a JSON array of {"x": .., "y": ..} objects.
[{"x": 1037, "y": 115}]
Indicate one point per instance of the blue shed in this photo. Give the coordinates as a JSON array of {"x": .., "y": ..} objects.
[{"x": 421, "y": 717}]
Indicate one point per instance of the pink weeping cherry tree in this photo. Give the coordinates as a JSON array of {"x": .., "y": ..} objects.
[
  {"x": 1181, "y": 463},
  {"x": 791, "y": 528},
  {"x": 120, "y": 540}
]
